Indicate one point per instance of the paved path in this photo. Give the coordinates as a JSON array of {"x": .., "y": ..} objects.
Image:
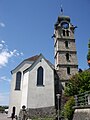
[{"x": 3, "y": 116}]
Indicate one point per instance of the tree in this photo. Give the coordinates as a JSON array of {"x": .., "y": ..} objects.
[
  {"x": 79, "y": 83},
  {"x": 2, "y": 108},
  {"x": 88, "y": 55}
]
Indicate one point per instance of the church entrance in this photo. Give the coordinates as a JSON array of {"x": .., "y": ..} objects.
[{"x": 13, "y": 112}]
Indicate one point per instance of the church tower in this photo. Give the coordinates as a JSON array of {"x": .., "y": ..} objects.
[{"x": 65, "y": 54}]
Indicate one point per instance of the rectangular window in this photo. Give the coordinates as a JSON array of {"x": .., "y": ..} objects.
[
  {"x": 67, "y": 56},
  {"x": 66, "y": 44},
  {"x": 68, "y": 70}
]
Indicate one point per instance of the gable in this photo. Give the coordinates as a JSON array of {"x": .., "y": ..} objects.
[
  {"x": 22, "y": 66},
  {"x": 25, "y": 64},
  {"x": 30, "y": 63},
  {"x": 41, "y": 61}
]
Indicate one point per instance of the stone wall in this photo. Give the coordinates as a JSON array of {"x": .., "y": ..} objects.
[
  {"x": 47, "y": 112},
  {"x": 82, "y": 114},
  {"x": 41, "y": 112}
]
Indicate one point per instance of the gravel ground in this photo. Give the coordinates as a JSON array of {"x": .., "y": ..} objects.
[{"x": 3, "y": 116}]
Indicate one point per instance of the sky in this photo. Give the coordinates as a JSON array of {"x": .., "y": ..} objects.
[{"x": 26, "y": 28}]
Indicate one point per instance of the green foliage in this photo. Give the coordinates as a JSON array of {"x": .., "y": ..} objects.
[
  {"x": 89, "y": 45},
  {"x": 2, "y": 108},
  {"x": 88, "y": 55},
  {"x": 68, "y": 110},
  {"x": 79, "y": 83}
]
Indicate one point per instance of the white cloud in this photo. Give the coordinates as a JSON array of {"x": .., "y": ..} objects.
[
  {"x": 2, "y": 41},
  {"x": 6, "y": 54},
  {"x": 1, "y": 46},
  {"x": 2, "y": 24},
  {"x": 4, "y": 78},
  {"x": 21, "y": 53}
]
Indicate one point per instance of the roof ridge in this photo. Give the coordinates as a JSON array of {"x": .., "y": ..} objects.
[{"x": 33, "y": 58}]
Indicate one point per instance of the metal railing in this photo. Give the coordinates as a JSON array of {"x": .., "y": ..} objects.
[{"x": 82, "y": 99}]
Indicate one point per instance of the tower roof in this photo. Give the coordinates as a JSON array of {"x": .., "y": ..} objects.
[{"x": 62, "y": 18}]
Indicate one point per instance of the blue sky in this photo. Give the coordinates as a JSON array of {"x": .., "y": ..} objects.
[{"x": 26, "y": 27}]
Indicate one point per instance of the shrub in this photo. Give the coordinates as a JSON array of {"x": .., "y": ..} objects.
[{"x": 68, "y": 110}]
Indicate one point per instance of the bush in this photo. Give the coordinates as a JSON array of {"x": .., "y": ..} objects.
[
  {"x": 78, "y": 83},
  {"x": 2, "y": 108},
  {"x": 68, "y": 110}
]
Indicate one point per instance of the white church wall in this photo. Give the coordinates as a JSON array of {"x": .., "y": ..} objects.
[
  {"x": 25, "y": 89},
  {"x": 41, "y": 96},
  {"x": 15, "y": 95},
  {"x": 15, "y": 98}
]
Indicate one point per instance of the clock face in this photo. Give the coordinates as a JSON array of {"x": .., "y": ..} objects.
[{"x": 65, "y": 25}]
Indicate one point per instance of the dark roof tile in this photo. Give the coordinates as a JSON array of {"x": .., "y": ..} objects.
[{"x": 33, "y": 58}]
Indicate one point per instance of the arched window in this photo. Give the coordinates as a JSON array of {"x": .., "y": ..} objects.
[
  {"x": 67, "y": 56},
  {"x": 63, "y": 32},
  {"x": 68, "y": 70},
  {"x": 18, "y": 81},
  {"x": 40, "y": 76},
  {"x": 67, "y": 32},
  {"x": 66, "y": 44}
]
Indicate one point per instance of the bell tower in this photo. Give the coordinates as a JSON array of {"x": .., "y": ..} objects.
[{"x": 65, "y": 54}]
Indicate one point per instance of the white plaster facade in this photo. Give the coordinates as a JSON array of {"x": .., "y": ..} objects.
[{"x": 31, "y": 95}]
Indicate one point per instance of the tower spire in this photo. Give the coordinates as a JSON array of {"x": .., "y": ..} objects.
[{"x": 61, "y": 10}]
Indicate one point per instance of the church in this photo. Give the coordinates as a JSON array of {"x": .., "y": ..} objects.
[{"x": 36, "y": 81}]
